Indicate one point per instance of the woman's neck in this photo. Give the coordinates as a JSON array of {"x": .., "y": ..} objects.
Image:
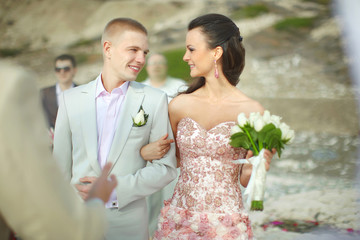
[{"x": 217, "y": 89}]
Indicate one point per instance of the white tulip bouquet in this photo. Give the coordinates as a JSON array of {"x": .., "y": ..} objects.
[{"x": 257, "y": 133}]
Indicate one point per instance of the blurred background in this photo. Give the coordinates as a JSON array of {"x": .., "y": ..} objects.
[{"x": 296, "y": 67}]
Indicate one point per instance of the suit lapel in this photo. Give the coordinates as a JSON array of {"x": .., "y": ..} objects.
[
  {"x": 88, "y": 123},
  {"x": 130, "y": 108}
]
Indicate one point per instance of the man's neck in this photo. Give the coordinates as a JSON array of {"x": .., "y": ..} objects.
[
  {"x": 110, "y": 83},
  {"x": 157, "y": 82},
  {"x": 65, "y": 86}
]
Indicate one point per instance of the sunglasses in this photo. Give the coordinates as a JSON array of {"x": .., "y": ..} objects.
[{"x": 66, "y": 69}]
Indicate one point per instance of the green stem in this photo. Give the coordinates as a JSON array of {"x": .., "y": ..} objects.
[
  {"x": 252, "y": 142},
  {"x": 257, "y": 206},
  {"x": 260, "y": 145}
]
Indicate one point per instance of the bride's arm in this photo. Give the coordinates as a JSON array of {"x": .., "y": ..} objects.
[
  {"x": 175, "y": 117},
  {"x": 156, "y": 150}
]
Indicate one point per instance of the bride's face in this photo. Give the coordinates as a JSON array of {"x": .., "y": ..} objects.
[{"x": 198, "y": 55}]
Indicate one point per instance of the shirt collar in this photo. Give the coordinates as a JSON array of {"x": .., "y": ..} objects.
[
  {"x": 100, "y": 87},
  {"x": 58, "y": 89}
]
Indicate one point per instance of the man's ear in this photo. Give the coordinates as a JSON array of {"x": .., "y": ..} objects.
[{"x": 107, "y": 49}]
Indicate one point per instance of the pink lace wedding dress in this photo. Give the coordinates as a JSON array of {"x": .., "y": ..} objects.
[{"x": 207, "y": 201}]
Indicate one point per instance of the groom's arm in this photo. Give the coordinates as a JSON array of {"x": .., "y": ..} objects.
[{"x": 154, "y": 176}]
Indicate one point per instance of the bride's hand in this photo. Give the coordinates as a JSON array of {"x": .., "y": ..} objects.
[
  {"x": 156, "y": 150},
  {"x": 249, "y": 154},
  {"x": 268, "y": 156}
]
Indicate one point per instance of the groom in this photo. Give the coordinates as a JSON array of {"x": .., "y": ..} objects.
[{"x": 96, "y": 124}]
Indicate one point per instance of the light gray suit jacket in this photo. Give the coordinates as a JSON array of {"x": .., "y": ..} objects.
[
  {"x": 35, "y": 200},
  {"x": 75, "y": 148}
]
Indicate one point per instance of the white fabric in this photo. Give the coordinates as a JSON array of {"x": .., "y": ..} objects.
[
  {"x": 171, "y": 87},
  {"x": 35, "y": 200},
  {"x": 256, "y": 186},
  {"x": 59, "y": 91}
]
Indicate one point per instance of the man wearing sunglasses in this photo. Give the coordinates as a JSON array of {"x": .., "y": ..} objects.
[{"x": 65, "y": 70}]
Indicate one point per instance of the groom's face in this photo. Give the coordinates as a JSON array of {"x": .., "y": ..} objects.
[{"x": 128, "y": 54}]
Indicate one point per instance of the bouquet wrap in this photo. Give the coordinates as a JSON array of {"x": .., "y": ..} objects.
[{"x": 255, "y": 189}]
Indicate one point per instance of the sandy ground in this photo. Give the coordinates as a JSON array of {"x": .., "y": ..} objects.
[{"x": 338, "y": 215}]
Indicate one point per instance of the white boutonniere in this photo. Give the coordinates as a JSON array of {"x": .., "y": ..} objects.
[{"x": 141, "y": 118}]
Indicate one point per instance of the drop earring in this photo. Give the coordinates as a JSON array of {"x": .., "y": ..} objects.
[{"x": 216, "y": 70}]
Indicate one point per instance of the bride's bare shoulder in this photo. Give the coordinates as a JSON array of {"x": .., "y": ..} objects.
[
  {"x": 181, "y": 100},
  {"x": 179, "y": 108},
  {"x": 256, "y": 106},
  {"x": 178, "y": 103},
  {"x": 249, "y": 103}
]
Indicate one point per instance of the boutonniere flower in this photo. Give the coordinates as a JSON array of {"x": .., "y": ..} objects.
[{"x": 141, "y": 118}]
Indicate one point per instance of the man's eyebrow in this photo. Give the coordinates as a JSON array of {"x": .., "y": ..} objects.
[{"x": 138, "y": 48}]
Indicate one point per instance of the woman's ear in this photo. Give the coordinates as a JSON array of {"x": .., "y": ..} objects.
[{"x": 218, "y": 52}]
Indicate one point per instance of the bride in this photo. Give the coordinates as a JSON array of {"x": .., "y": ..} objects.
[{"x": 207, "y": 201}]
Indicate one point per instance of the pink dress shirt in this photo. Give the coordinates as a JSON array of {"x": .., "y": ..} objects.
[{"x": 108, "y": 106}]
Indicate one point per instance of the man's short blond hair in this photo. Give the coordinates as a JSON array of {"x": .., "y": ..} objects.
[{"x": 118, "y": 26}]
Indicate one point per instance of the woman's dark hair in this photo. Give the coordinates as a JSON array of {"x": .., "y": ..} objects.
[{"x": 221, "y": 31}]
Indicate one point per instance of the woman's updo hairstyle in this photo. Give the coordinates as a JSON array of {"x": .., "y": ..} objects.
[{"x": 221, "y": 31}]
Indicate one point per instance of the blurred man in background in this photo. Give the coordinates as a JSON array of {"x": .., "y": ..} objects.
[
  {"x": 157, "y": 71},
  {"x": 65, "y": 70}
]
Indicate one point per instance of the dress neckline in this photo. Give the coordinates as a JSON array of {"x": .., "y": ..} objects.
[{"x": 200, "y": 126}]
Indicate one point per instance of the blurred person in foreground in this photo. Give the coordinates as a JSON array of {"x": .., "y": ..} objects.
[
  {"x": 65, "y": 70},
  {"x": 109, "y": 120},
  {"x": 35, "y": 200}
]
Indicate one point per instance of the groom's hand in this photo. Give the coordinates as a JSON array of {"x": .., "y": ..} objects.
[
  {"x": 94, "y": 187},
  {"x": 84, "y": 188}
]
